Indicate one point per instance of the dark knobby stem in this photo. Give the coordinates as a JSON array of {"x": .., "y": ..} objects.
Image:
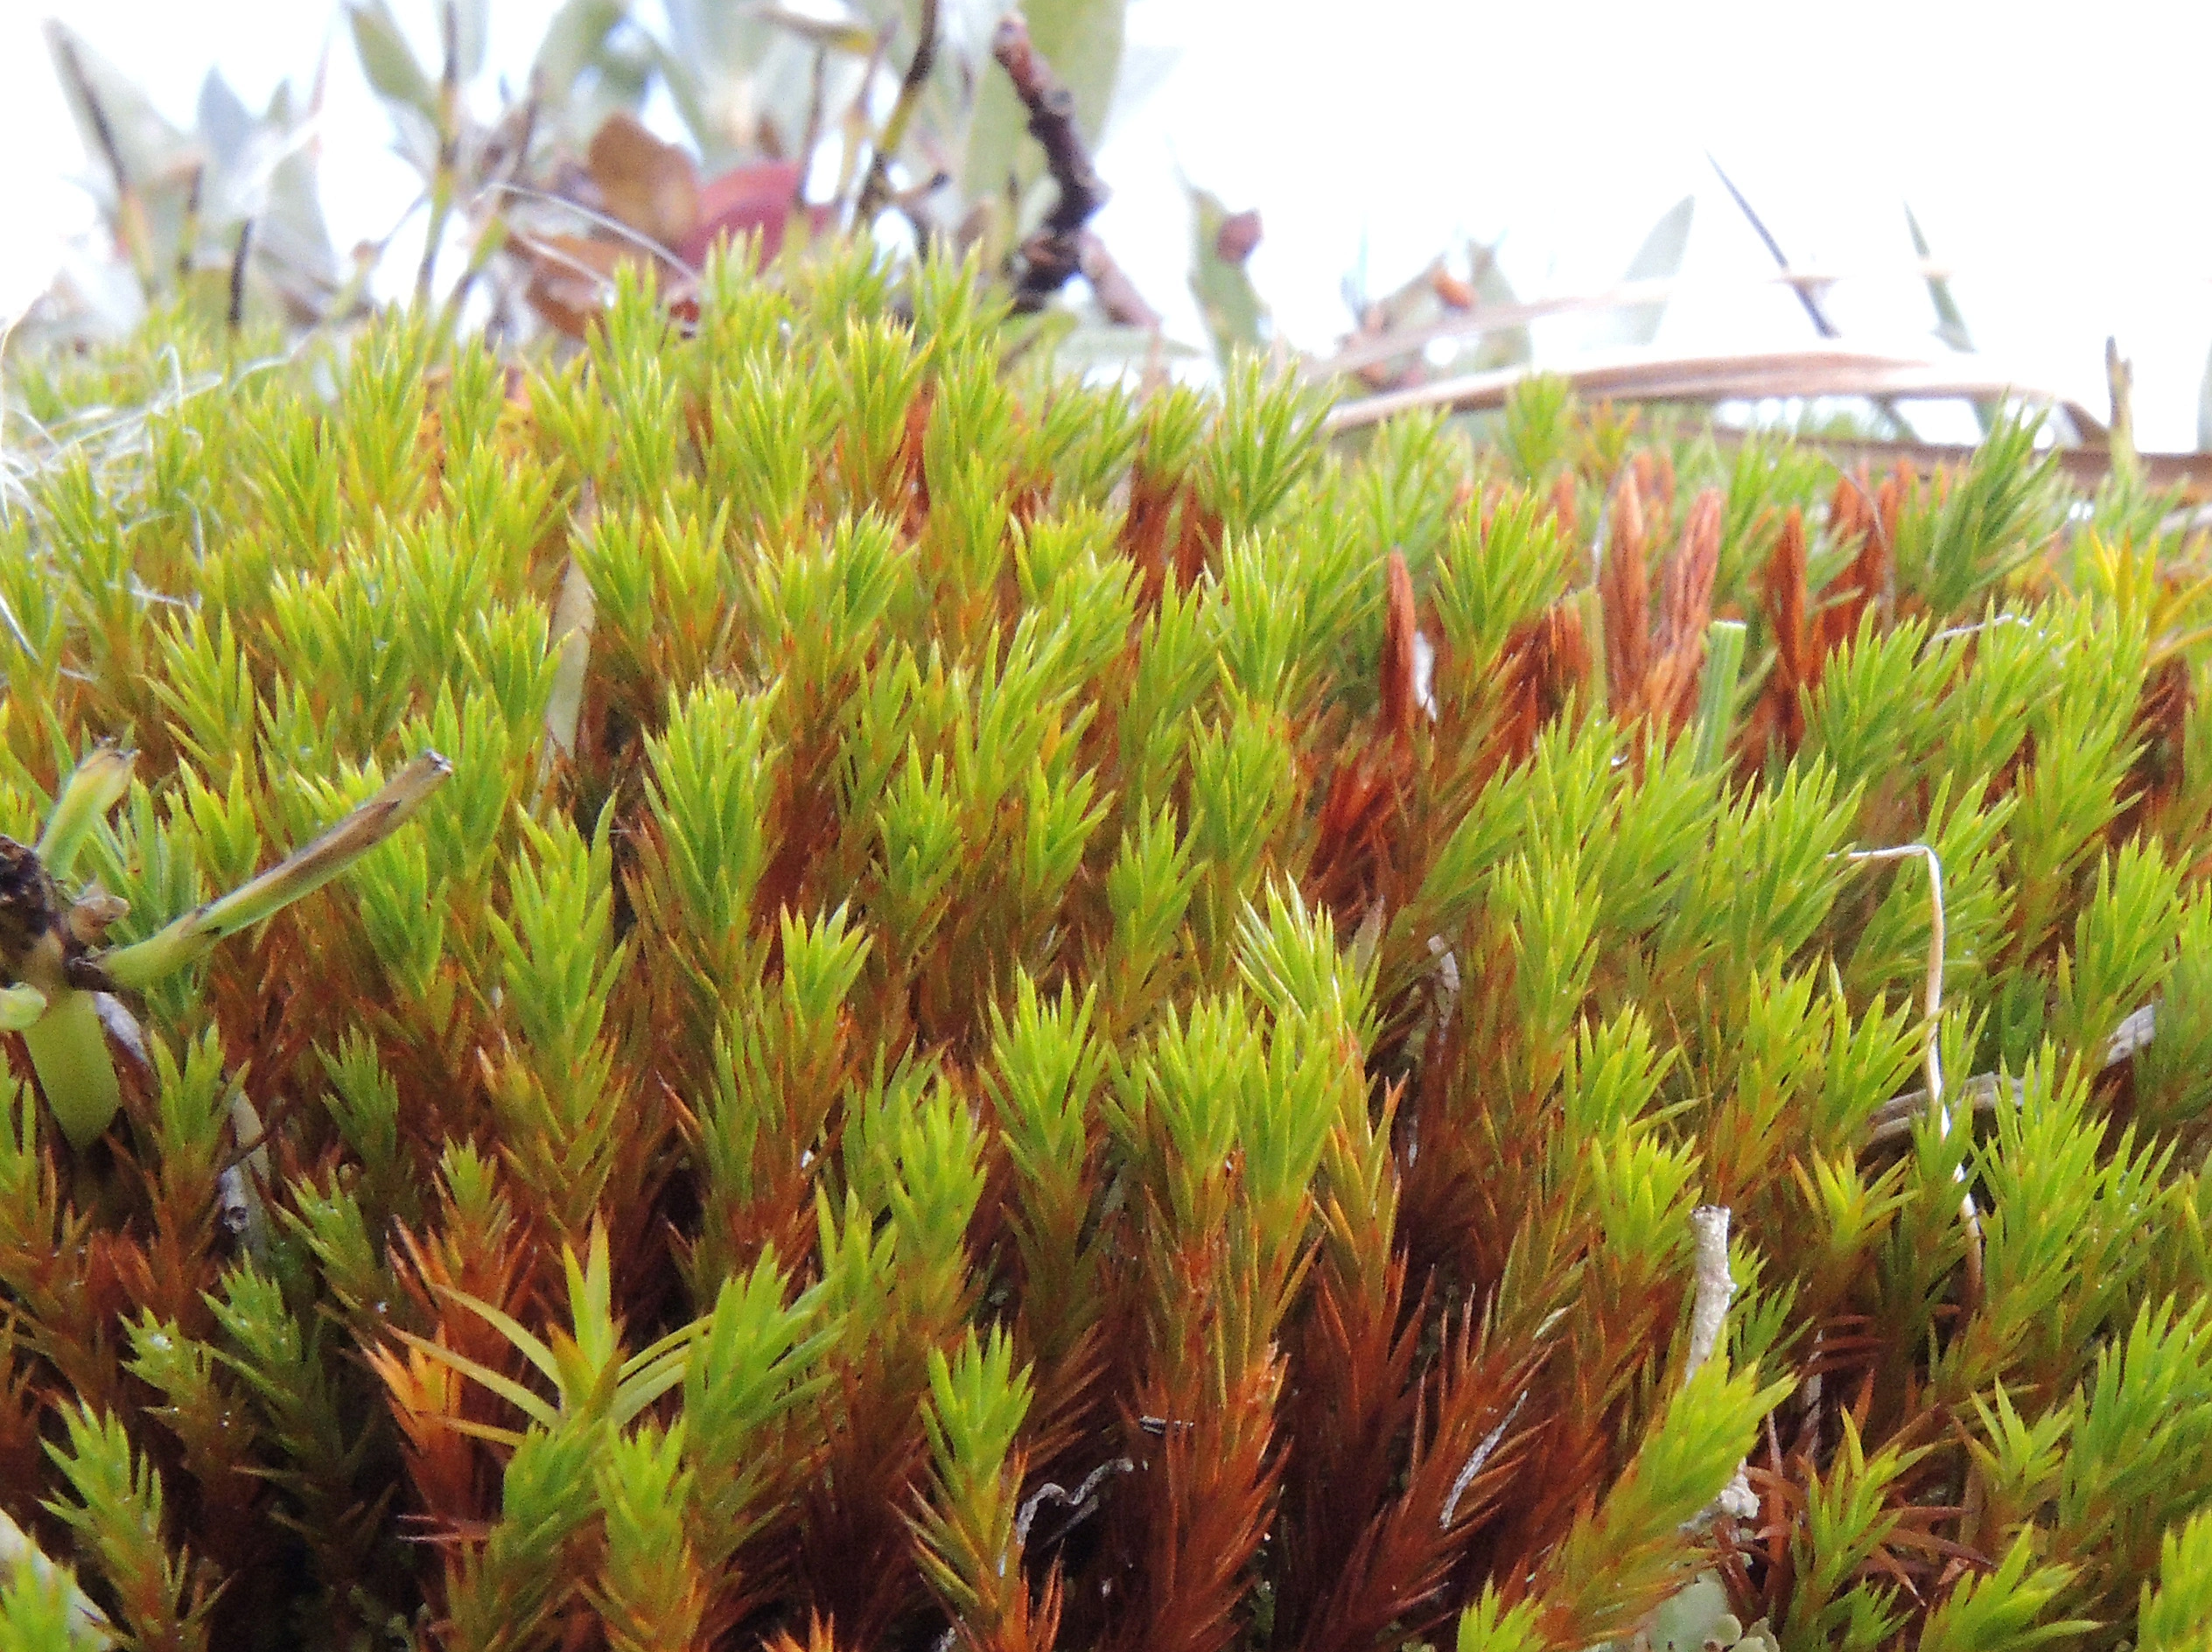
[
  {"x": 1115, "y": 292},
  {"x": 1056, "y": 251},
  {"x": 876, "y": 191},
  {"x": 810, "y": 139},
  {"x": 237, "y": 313},
  {"x": 445, "y": 177},
  {"x": 188, "y": 237},
  {"x": 55, "y": 972}
]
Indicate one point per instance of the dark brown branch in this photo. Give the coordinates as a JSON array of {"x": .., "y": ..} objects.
[
  {"x": 1051, "y": 122},
  {"x": 1115, "y": 292},
  {"x": 445, "y": 174},
  {"x": 188, "y": 237},
  {"x": 817, "y": 95},
  {"x": 877, "y": 188},
  {"x": 1056, "y": 251},
  {"x": 237, "y": 313}
]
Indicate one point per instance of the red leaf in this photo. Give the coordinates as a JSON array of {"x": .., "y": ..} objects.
[{"x": 745, "y": 200}]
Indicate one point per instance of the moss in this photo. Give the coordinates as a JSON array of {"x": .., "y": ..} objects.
[{"x": 1086, "y": 1018}]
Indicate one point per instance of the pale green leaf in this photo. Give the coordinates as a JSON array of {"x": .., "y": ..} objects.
[
  {"x": 1230, "y": 304},
  {"x": 472, "y": 31},
  {"x": 1658, "y": 259},
  {"x": 387, "y": 59},
  {"x": 1950, "y": 325},
  {"x": 149, "y": 145}
]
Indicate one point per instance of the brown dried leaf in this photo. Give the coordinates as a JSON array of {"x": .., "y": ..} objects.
[
  {"x": 1545, "y": 659},
  {"x": 1201, "y": 536},
  {"x": 1352, "y": 844},
  {"x": 1851, "y": 516},
  {"x": 1398, "y": 626},
  {"x": 650, "y": 185},
  {"x": 1563, "y": 511},
  {"x": 571, "y": 277},
  {"x": 2161, "y": 725},
  {"x": 1624, "y": 596},
  {"x": 1784, "y": 589},
  {"x": 1348, "y": 837},
  {"x": 1685, "y": 609},
  {"x": 1654, "y": 474},
  {"x": 1451, "y": 292},
  {"x": 1781, "y": 713},
  {"x": 1685, "y": 590}
]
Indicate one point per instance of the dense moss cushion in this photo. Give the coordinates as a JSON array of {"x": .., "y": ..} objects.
[{"x": 1064, "y": 1014}]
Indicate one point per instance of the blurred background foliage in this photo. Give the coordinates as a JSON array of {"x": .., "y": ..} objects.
[
  {"x": 889, "y": 118},
  {"x": 884, "y": 115}
]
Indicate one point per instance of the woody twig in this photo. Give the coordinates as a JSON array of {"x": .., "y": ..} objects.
[
  {"x": 1061, "y": 247},
  {"x": 875, "y": 188},
  {"x": 1115, "y": 292}
]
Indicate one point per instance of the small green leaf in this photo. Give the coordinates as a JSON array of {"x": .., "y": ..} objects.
[
  {"x": 387, "y": 59},
  {"x": 1658, "y": 259},
  {"x": 1951, "y": 323},
  {"x": 1717, "y": 701},
  {"x": 1233, "y": 312}
]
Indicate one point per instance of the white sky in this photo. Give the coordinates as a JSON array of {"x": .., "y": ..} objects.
[{"x": 2055, "y": 156}]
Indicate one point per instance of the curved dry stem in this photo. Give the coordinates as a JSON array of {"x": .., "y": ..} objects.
[{"x": 300, "y": 873}]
